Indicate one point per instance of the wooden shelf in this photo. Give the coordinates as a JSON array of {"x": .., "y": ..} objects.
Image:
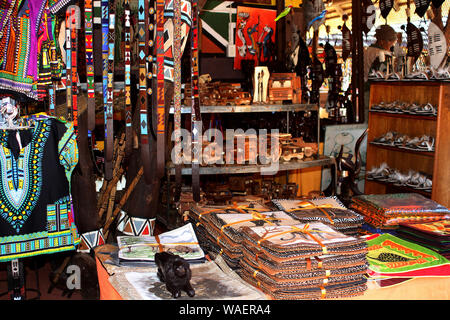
[
  {"x": 396, "y": 188},
  {"x": 423, "y": 153},
  {"x": 254, "y": 168},
  {"x": 403, "y": 115},
  {"x": 250, "y": 108},
  {"x": 431, "y": 163}
]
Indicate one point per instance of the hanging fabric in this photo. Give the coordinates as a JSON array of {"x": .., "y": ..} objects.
[
  {"x": 161, "y": 129},
  {"x": 105, "y": 57},
  {"x": 177, "y": 92},
  {"x": 90, "y": 76},
  {"x": 109, "y": 143},
  {"x": 55, "y": 63},
  {"x": 143, "y": 123},
  {"x": 68, "y": 66},
  {"x": 150, "y": 27},
  {"x": 74, "y": 27},
  {"x": 127, "y": 58},
  {"x": 55, "y": 79}
]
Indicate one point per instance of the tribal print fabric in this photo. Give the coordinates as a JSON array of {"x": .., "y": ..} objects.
[{"x": 36, "y": 214}]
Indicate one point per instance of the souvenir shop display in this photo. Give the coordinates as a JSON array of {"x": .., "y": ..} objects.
[{"x": 115, "y": 149}]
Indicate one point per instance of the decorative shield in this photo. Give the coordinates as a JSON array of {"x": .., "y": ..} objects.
[
  {"x": 330, "y": 59},
  {"x": 317, "y": 78},
  {"x": 437, "y": 45},
  {"x": 422, "y": 7},
  {"x": 369, "y": 16},
  {"x": 346, "y": 40},
  {"x": 437, "y": 3},
  {"x": 304, "y": 53},
  {"x": 414, "y": 41},
  {"x": 386, "y": 7}
]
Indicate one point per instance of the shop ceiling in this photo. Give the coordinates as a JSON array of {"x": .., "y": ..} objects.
[{"x": 336, "y": 9}]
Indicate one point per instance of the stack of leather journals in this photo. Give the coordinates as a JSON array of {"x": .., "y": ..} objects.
[
  {"x": 384, "y": 212},
  {"x": 218, "y": 227},
  {"x": 328, "y": 210},
  {"x": 303, "y": 261}
]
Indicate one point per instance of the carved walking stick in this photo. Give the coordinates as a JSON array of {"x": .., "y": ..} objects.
[
  {"x": 122, "y": 202},
  {"x": 109, "y": 139},
  {"x": 177, "y": 91},
  {"x": 196, "y": 120},
  {"x": 161, "y": 126},
  {"x": 90, "y": 77},
  {"x": 127, "y": 58}
]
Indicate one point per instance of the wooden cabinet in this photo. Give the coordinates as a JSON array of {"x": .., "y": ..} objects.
[{"x": 437, "y": 163}]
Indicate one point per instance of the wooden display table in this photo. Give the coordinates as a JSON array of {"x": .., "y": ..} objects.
[{"x": 432, "y": 288}]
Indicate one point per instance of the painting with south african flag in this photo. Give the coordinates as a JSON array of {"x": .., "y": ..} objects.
[{"x": 255, "y": 35}]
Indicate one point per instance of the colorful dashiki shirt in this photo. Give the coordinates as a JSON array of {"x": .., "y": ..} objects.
[
  {"x": 27, "y": 27},
  {"x": 36, "y": 215}
]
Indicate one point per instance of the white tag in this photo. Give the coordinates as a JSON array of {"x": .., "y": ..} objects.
[{"x": 18, "y": 139}]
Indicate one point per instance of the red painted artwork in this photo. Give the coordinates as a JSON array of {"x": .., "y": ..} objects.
[{"x": 255, "y": 35}]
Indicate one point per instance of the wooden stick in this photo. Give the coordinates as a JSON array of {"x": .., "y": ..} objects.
[
  {"x": 60, "y": 269},
  {"x": 122, "y": 201},
  {"x": 112, "y": 196},
  {"x": 103, "y": 189},
  {"x": 112, "y": 184}
]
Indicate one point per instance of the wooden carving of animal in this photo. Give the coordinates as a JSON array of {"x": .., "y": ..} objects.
[{"x": 175, "y": 272}]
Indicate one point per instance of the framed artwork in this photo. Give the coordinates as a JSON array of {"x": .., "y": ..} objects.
[
  {"x": 346, "y": 135},
  {"x": 218, "y": 20},
  {"x": 255, "y": 35}
]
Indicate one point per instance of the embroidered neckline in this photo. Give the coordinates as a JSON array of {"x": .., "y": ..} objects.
[{"x": 17, "y": 212}]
